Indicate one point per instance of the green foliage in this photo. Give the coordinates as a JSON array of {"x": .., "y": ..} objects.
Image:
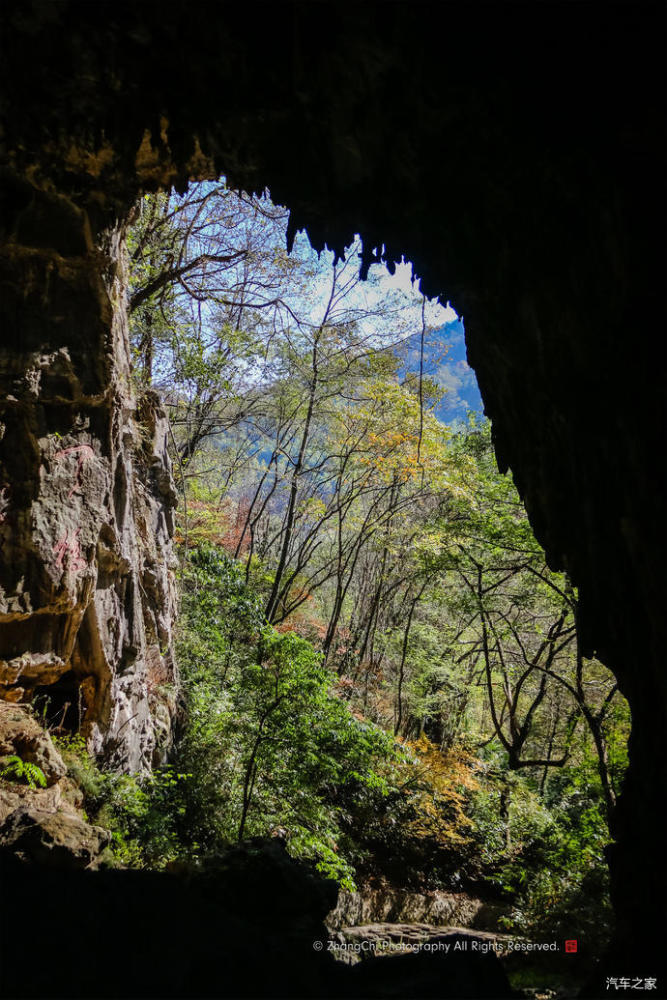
[
  {"x": 545, "y": 852},
  {"x": 405, "y": 589},
  {"x": 142, "y": 812},
  {"x": 17, "y": 769},
  {"x": 273, "y": 748},
  {"x": 270, "y": 747}
]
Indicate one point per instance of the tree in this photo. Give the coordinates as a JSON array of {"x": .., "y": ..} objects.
[
  {"x": 521, "y": 628},
  {"x": 269, "y": 743}
]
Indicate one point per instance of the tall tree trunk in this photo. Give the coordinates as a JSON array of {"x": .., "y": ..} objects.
[
  {"x": 404, "y": 653},
  {"x": 294, "y": 490}
]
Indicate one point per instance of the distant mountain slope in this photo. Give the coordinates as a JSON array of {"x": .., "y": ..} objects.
[{"x": 445, "y": 362}]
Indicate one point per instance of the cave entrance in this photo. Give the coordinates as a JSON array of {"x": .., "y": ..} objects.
[
  {"x": 59, "y": 704},
  {"x": 525, "y": 185},
  {"x": 342, "y": 494}
]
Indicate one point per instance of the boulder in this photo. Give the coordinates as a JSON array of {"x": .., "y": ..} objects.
[
  {"x": 59, "y": 839},
  {"x": 22, "y": 735}
]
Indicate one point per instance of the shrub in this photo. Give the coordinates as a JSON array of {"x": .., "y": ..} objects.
[{"x": 142, "y": 812}]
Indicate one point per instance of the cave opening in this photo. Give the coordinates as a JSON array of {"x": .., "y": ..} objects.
[
  {"x": 59, "y": 705},
  {"x": 530, "y": 193},
  {"x": 269, "y": 364}
]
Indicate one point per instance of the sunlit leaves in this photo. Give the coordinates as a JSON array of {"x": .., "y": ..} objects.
[{"x": 438, "y": 783}]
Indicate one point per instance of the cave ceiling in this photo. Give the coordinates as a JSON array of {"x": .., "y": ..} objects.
[{"x": 513, "y": 152}]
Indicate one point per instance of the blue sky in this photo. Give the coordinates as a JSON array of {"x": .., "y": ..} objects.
[
  {"x": 445, "y": 362},
  {"x": 389, "y": 310},
  {"x": 444, "y": 346}
]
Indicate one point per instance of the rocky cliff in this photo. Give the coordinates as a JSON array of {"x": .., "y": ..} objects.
[{"x": 87, "y": 592}]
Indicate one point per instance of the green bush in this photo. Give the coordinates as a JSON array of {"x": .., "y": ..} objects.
[
  {"x": 546, "y": 854},
  {"x": 270, "y": 748},
  {"x": 142, "y": 812}
]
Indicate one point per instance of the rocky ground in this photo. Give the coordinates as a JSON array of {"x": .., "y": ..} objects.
[{"x": 45, "y": 825}]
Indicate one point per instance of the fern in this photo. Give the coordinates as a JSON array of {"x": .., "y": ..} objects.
[{"x": 17, "y": 769}]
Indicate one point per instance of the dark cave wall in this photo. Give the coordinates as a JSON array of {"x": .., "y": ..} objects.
[{"x": 514, "y": 152}]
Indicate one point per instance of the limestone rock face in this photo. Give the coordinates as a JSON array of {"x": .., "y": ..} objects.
[
  {"x": 87, "y": 595},
  {"x": 397, "y": 906}
]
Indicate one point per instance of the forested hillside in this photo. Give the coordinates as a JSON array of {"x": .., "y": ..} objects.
[{"x": 378, "y": 665}]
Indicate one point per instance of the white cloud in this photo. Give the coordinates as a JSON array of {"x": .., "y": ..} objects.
[{"x": 402, "y": 281}]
